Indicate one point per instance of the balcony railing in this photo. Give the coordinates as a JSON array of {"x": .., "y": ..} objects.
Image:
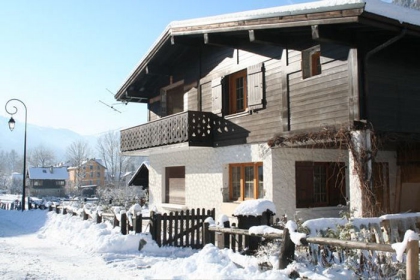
[{"x": 191, "y": 126}]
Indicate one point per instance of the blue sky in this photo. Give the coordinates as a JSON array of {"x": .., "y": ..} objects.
[{"x": 60, "y": 57}]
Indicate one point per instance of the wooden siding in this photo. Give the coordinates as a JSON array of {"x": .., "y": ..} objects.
[
  {"x": 259, "y": 126},
  {"x": 323, "y": 99},
  {"x": 393, "y": 96}
]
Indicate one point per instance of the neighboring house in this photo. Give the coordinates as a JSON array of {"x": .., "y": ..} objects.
[
  {"x": 310, "y": 106},
  {"x": 141, "y": 177},
  {"x": 87, "y": 176},
  {"x": 47, "y": 181}
]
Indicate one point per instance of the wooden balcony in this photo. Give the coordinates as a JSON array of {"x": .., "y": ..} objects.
[{"x": 194, "y": 128}]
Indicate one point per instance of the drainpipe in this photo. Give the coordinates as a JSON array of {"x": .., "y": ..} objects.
[{"x": 368, "y": 132}]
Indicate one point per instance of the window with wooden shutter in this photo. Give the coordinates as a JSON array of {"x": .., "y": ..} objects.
[
  {"x": 256, "y": 86},
  {"x": 175, "y": 185},
  {"x": 320, "y": 184}
]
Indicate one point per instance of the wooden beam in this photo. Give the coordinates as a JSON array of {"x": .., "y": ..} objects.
[{"x": 151, "y": 69}]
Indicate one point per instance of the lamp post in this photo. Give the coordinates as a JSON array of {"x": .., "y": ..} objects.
[{"x": 11, "y": 127}]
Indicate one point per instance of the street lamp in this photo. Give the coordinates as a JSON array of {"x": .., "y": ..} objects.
[{"x": 11, "y": 127}]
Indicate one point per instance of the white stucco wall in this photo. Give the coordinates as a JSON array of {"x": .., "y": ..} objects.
[{"x": 207, "y": 174}]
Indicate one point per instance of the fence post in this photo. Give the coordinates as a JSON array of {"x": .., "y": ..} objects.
[
  {"x": 64, "y": 210},
  {"x": 206, "y": 234},
  {"x": 223, "y": 239},
  {"x": 98, "y": 218},
  {"x": 138, "y": 223},
  {"x": 123, "y": 223},
  {"x": 287, "y": 250},
  {"x": 85, "y": 215},
  {"x": 155, "y": 227},
  {"x": 412, "y": 260}
]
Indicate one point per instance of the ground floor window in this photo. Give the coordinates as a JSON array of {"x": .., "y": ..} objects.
[
  {"x": 245, "y": 181},
  {"x": 175, "y": 184},
  {"x": 320, "y": 184}
]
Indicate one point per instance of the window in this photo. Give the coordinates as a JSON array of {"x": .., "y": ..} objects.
[
  {"x": 175, "y": 185},
  {"x": 60, "y": 183},
  {"x": 238, "y": 92},
  {"x": 37, "y": 183},
  {"x": 245, "y": 181},
  {"x": 91, "y": 167},
  {"x": 91, "y": 174},
  {"x": 172, "y": 99},
  {"x": 320, "y": 184},
  {"x": 311, "y": 62},
  {"x": 98, "y": 174}
]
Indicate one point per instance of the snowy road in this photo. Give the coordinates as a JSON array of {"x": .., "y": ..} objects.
[
  {"x": 35, "y": 258},
  {"x": 26, "y": 254}
]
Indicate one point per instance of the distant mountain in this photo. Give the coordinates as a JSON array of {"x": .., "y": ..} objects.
[{"x": 56, "y": 139}]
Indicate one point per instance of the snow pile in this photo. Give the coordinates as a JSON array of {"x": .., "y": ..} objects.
[
  {"x": 400, "y": 247},
  {"x": 264, "y": 230},
  {"x": 294, "y": 235},
  {"x": 316, "y": 226},
  {"x": 254, "y": 207}
]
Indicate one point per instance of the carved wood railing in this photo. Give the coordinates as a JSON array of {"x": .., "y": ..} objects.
[{"x": 193, "y": 127}]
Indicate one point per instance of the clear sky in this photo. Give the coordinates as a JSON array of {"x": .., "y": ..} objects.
[{"x": 62, "y": 57}]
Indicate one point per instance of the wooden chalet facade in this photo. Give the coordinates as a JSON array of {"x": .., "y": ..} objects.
[{"x": 238, "y": 106}]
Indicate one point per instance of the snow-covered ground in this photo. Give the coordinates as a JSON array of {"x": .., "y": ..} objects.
[{"x": 38, "y": 244}]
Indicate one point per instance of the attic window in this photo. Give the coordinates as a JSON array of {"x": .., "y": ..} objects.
[
  {"x": 44, "y": 171},
  {"x": 311, "y": 62}
]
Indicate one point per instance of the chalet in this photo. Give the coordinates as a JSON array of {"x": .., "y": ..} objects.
[
  {"x": 313, "y": 106},
  {"x": 47, "y": 181},
  {"x": 86, "y": 177}
]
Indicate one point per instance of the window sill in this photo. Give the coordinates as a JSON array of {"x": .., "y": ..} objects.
[
  {"x": 237, "y": 115},
  {"x": 176, "y": 207}
]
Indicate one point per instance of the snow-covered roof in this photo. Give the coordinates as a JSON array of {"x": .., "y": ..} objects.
[
  {"x": 378, "y": 7},
  {"x": 48, "y": 173},
  {"x": 144, "y": 164},
  {"x": 97, "y": 160}
]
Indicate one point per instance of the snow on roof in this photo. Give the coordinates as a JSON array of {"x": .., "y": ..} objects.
[
  {"x": 254, "y": 207},
  {"x": 48, "y": 173},
  {"x": 378, "y": 7},
  {"x": 98, "y": 160}
]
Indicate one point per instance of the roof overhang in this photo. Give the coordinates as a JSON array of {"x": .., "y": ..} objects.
[{"x": 278, "y": 26}]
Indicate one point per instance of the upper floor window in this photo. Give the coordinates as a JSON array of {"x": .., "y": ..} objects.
[
  {"x": 311, "y": 62},
  {"x": 91, "y": 167},
  {"x": 320, "y": 184},
  {"x": 246, "y": 181},
  {"x": 239, "y": 92},
  {"x": 60, "y": 183},
  {"x": 236, "y": 92}
]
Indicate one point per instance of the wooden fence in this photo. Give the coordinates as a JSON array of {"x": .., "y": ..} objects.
[
  {"x": 180, "y": 229},
  {"x": 223, "y": 237}
]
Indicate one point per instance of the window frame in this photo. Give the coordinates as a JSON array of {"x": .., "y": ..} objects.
[
  {"x": 334, "y": 180},
  {"x": 232, "y": 92},
  {"x": 311, "y": 62},
  {"x": 175, "y": 172},
  {"x": 256, "y": 181}
]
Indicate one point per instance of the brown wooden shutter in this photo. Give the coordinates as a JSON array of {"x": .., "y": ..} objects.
[
  {"x": 255, "y": 86},
  {"x": 163, "y": 103},
  {"x": 216, "y": 91},
  {"x": 336, "y": 183},
  {"x": 304, "y": 183}
]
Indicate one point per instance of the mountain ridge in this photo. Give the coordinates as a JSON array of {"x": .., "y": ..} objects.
[{"x": 56, "y": 139}]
